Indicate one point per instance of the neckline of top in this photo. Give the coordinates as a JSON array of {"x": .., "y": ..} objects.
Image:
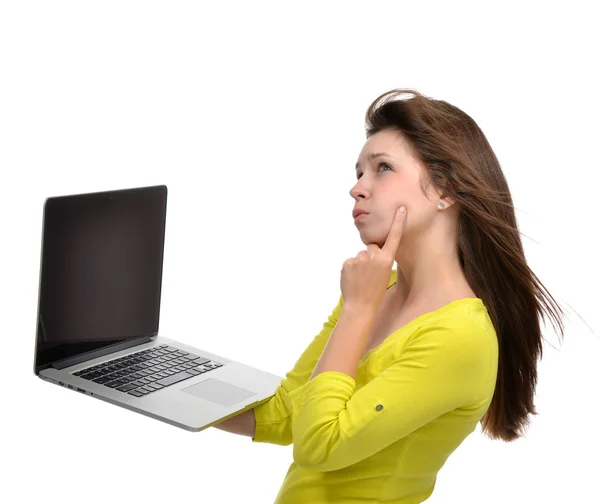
[{"x": 474, "y": 301}]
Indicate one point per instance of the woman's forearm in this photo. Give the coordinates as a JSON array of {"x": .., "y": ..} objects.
[
  {"x": 347, "y": 342},
  {"x": 243, "y": 424}
]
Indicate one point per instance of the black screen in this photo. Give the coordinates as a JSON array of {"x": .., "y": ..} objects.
[{"x": 101, "y": 271}]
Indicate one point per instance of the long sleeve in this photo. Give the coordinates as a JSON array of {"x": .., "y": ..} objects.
[
  {"x": 443, "y": 366},
  {"x": 273, "y": 422}
]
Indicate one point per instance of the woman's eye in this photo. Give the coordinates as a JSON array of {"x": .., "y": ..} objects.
[{"x": 379, "y": 166}]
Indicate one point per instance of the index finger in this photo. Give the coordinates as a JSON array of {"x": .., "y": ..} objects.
[{"x": 393, "y": 239}]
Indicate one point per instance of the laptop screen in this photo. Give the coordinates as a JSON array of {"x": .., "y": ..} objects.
[{"x": 101, "y": 270}]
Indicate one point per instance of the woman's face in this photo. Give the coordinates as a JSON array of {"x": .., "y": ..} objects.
[{"x": 388, "y": 177}]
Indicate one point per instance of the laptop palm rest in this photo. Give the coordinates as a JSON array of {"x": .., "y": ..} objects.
[{"x": 218, "y": 392}]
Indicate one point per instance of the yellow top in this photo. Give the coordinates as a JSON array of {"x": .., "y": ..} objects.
[{"x": 385, "y": 435}]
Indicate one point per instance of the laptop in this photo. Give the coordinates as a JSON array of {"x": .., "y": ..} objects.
[{"x": 98, "y": 316}]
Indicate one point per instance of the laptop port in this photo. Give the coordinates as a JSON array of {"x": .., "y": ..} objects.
[{"x": 80, "y": 390}]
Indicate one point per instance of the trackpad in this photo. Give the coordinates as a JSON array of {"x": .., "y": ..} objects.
[{"x": 218, "y": 392}]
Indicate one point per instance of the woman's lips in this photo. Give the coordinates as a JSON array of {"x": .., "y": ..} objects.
[{"x": 361, "y": 217}]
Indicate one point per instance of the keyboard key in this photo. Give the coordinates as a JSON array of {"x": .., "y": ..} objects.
[
  {"x": 103, "y": 379},
  {"x": 90, "y": 376},
  {"x": 200, "y": 360},
  {"x": 127, "y": 388},
  {"x": 183, "y": 375},
  {"x": 136, "y": 393}
]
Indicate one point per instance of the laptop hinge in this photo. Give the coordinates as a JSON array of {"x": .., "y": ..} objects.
[{"x": 71, "y": 361}]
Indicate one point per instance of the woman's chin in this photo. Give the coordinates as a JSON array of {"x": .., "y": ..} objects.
[{"x": 368, "y": 238}]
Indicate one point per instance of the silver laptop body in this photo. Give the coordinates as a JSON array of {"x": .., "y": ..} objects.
[{"x": 98, "y": 315}]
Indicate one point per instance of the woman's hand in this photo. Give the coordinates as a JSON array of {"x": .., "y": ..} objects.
[{"x": 366, "y": 277}]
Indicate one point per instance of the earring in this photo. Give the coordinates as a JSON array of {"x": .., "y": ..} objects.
[{"x": 441, "y": 204}]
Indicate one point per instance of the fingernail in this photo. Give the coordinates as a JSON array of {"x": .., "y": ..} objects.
[{"x": 402, "y": 210}]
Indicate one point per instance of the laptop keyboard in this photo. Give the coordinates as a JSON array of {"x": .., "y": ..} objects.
[{"x": 152, "y": 369}]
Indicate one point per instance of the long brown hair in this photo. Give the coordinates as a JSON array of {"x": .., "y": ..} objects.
[{"x": 461, "y": 164}]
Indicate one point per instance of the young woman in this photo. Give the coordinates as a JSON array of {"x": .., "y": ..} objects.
[{"x": 411, "y": 359}]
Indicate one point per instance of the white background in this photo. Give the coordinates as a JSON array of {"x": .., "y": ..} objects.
[{"x": 252, "y": 113}]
